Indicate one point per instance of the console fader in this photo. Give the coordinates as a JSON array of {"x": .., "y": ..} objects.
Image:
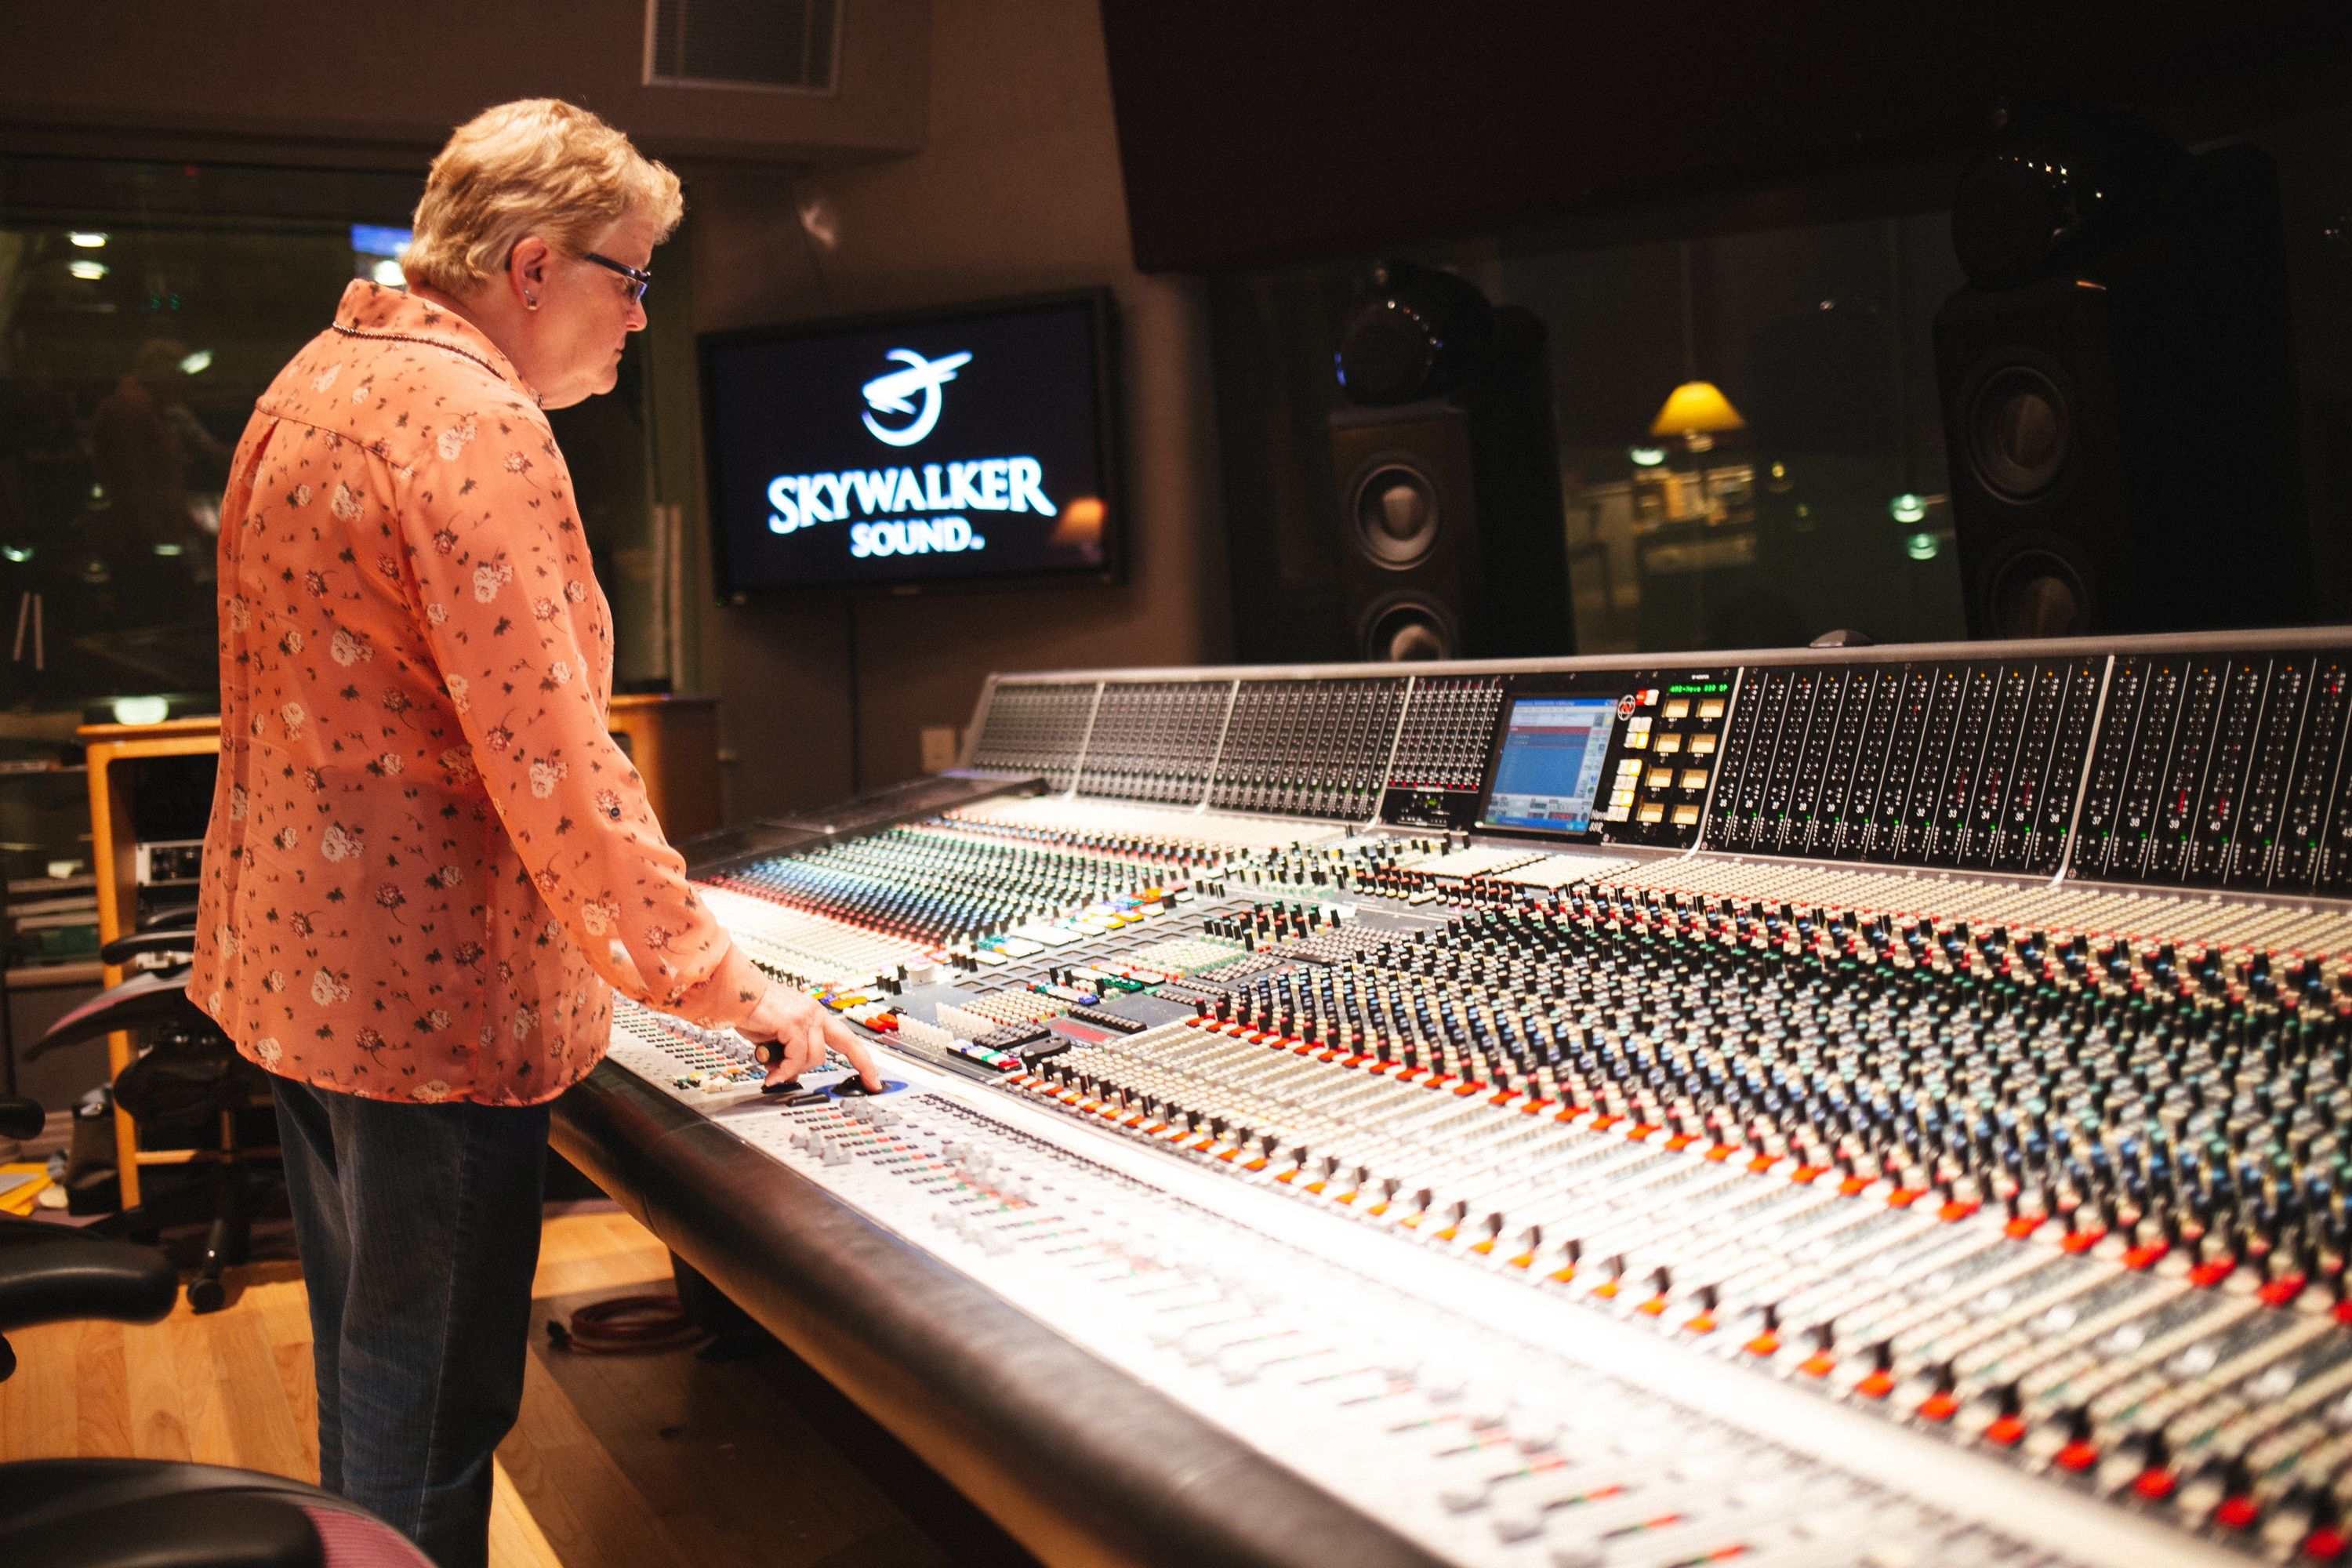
[{"x": 1852, "y": 1108}]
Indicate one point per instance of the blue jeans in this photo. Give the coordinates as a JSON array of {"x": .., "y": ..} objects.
[{"x": 418, "y": 1227}]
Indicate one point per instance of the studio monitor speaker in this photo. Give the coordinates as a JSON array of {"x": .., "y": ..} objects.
[
  {"x": 2118, "y": 392},
  {"x": 1450, "y": 536}
]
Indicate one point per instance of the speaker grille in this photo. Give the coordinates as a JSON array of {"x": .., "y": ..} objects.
[{"x": 785, "y": 45}]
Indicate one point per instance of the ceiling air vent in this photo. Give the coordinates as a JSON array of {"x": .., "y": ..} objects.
[{"x": 779, "y": 45}]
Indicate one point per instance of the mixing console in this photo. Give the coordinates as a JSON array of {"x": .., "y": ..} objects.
[
  {"x": 1040, "y": 728},
  {"x": 1893, "y": 1109},
  {"x": 1155, "y": 741},
  {"x": 1307, "y": 748}
]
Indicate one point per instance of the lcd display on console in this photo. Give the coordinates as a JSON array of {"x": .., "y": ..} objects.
[
  {"x": 924, "y": 449},
  {"x": 1548, "y": 773}
]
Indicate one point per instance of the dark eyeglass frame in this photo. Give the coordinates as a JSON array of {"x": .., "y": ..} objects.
[{"x": 638, "y": 278}]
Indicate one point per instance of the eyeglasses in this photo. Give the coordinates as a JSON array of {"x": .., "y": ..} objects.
[{"x": 638, "y": 278}]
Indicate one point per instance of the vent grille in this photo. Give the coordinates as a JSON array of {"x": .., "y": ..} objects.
[{"x": 779, "y": 45}]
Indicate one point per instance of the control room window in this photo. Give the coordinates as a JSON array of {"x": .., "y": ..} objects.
[{"x": 144, "y": 308}]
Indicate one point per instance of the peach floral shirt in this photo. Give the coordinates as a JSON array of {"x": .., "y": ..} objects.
[{"x": 428, "y": 860}]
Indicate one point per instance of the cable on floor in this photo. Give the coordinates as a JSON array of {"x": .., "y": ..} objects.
[{"x": 624, "y": 1325}]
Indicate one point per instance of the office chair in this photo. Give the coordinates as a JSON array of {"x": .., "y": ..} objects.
[
  {"x": 148, "y": 1513},
  {"x": 187, "y": 1072}
]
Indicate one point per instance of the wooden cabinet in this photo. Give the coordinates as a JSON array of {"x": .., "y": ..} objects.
[{"x": 672, "y": 741}]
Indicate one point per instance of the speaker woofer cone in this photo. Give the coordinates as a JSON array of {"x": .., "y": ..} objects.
[
  {"x": 2020, "y": 432},
  {"x": 1396, "y": 515},
  {"x": 2037, "y": 592},
  {"x": 1406, "y": 628}
]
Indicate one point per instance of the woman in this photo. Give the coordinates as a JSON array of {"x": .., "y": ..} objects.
[{"x": 428, "y": 864}]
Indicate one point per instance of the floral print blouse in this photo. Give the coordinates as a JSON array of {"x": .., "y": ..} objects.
[{"x": 428, "y": 862}]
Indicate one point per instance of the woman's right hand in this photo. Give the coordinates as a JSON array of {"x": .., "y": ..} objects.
[{"x": 801, "y": 1029}]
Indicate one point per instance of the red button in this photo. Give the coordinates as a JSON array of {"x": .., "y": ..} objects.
[
  {"x": 2283, "y": 1291},
  {"x": 2237, "y": 1512}
]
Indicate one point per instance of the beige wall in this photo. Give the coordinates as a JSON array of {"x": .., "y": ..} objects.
[
  {"x": 1017, "y": 191},
  {"x": 322, "y": 83}
]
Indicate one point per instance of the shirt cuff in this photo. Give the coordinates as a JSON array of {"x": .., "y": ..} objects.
[{"x": 731, "y": 994}]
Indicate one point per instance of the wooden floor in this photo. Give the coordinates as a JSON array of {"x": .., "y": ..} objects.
[{"x": 663, "y": 1460}]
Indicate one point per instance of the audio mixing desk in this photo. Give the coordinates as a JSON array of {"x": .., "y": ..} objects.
[{"x": 1860, "y": 1107}]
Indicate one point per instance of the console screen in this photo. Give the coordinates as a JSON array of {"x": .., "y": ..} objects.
[{"x": 1549, "y": 772}]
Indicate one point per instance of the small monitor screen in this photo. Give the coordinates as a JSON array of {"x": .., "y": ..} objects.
[
  {"x": 1549, "y": 772},
  {"x": 940, "y": 448}
]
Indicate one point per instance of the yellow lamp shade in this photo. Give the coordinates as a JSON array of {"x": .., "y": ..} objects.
[{"x": 1697, "y": 408}]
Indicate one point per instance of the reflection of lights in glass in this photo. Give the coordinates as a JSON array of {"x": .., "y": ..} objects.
[
  {"x": 1908, "y": 507},
  {"x": 19, "y": 554},
  {"x": 88, "y": 272},
  {"x": 379, "y": 240},
  {"x": 142, "y": 710},
  {"x": 87, "y": 238},
  {"x": 167, "y": 548},
  {"x": 1922, "y": 546},
  {"x": 197, "y": 362},
  {"x": 1779, "y": 470},
  {"x": 1697, "y": 408},
  {"x": 1646, "y": 456},
  {"x": 388, "y": 273}
]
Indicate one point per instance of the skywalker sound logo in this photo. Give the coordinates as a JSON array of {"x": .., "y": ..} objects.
[
  {"x": 943, "y": 490},
  {"x": 892, "y": 393}
]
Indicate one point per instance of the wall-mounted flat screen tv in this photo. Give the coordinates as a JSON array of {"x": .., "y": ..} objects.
[{"x": 944, "y": 447}]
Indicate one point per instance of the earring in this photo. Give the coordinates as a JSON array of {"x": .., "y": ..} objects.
[{"x": 531, "y": 302}]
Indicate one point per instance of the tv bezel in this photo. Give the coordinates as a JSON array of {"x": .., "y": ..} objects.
[{"x": 1102, "y": 322}]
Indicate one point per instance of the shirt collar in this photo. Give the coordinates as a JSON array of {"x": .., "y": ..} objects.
[{"x": 368, "y": 309}]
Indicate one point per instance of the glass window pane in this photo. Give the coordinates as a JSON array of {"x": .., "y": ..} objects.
[
  {"x": 1811, "y": 498},
  {"x": 142, "y": 309}
]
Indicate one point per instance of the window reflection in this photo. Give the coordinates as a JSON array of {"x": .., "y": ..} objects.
[
  {"x": 1737, "y": 419},
  {"x": 1749, "y": 436},
  {"x": 132, "y": 349}
]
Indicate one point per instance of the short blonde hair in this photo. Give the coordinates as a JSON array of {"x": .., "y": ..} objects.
[{"x": 538, "y": 165}]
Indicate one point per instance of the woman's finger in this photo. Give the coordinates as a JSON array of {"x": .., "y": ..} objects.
[{"x": 844, "y": 1038}]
